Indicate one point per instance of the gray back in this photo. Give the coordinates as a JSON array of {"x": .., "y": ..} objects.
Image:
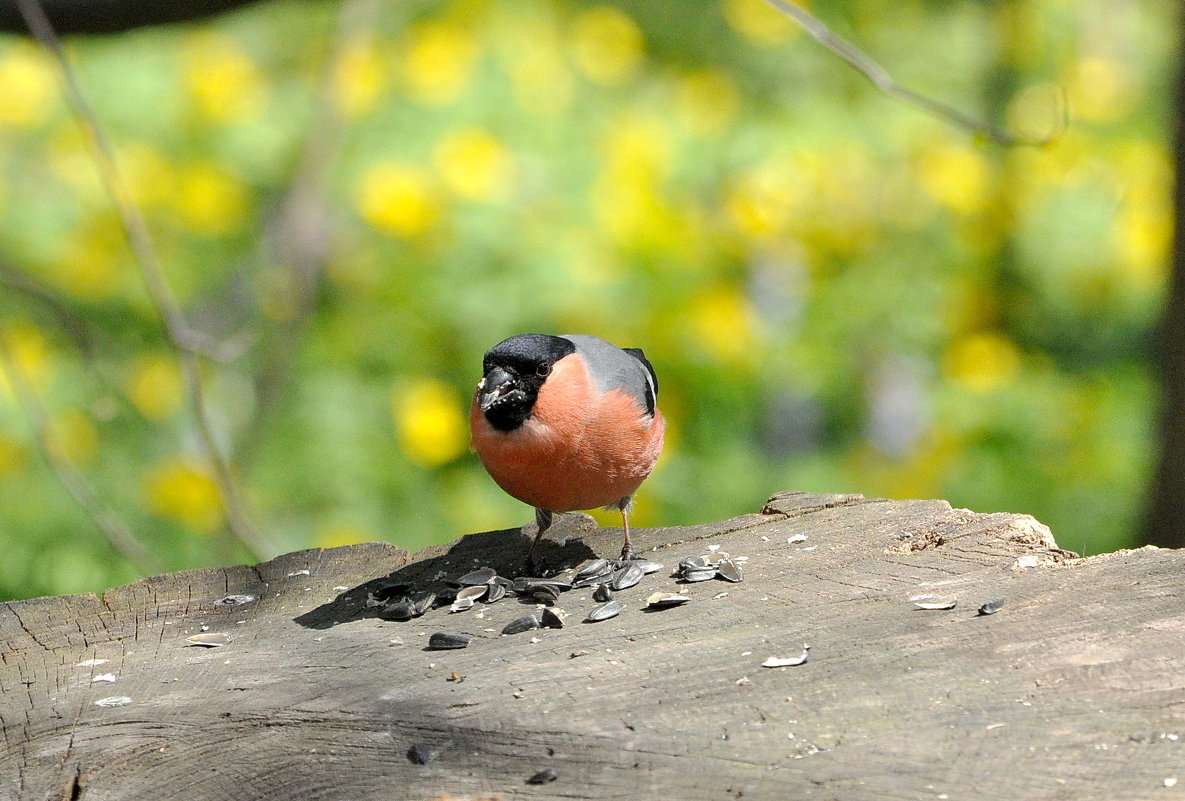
[{"x": 611, "y": 367}]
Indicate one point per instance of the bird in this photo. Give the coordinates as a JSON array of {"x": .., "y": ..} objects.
[{"x": 567, "y": 423}]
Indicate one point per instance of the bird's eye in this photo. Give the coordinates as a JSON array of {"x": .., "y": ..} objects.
[{"x": 543, "y": 370}]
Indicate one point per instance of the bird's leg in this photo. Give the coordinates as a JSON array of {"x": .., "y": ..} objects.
[
  {"x": 543, "y": 518},
  {"x": 627, "y": 550}
]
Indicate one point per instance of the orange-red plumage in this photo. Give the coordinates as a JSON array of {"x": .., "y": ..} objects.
[
  {"x": 571, "y": 423},
  {"x": 578, "y": 450}
]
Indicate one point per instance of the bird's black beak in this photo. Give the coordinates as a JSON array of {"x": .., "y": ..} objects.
[{"x": 496, "y": 385}]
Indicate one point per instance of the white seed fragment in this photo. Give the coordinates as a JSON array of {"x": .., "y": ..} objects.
[
  {"x": 103, "y": 677},
  {"x": 793, "y": 661},
  {"x": 212, "y": 640},
  {"x": 661, "y": 600},
  {"x": 950, "y": 604},
  {"x": 114, "y": 700}
]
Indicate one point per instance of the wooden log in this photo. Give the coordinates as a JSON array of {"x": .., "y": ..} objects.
[{"x": 1072, "y": 690}]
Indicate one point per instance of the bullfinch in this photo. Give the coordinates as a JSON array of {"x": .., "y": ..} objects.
[{"x": 565, "y": 423}]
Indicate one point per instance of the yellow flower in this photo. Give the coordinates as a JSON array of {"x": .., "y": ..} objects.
[
  {"x": 397, "y": 199},
  {"x": 429, "y": 421},
  {"x": 1143, "y": 234},
  {"x": 637, "y": 146},
  {"x": 956, "y": 176},
  {"x": 30, "y": 355},
  {"x": 224, "y": 81},
  {"x": 184, "y": 492},
  {"x": 30, "y": 89},
  {"x": 338, "y": 534},
  {"x": 72, "y": 435},
  {"x": 475, "y": 165},
  {"x": 541, "y": 75},
  {"x": 758, "y": 22},
  {"x": 708, "y": 100},
  {"x": 12, "y": 455},
  {"x": 90, "y": 263},
  {"x": 210, "y": 201},
  {"x": 441, "y": 57},
  {"x": 149, "y": 175},
  {"x": 607, "y": 45},
  {"x": 154, "y": 385},
  {"x": 761, "y": 202},
  {"x": 360, "y": 76},
  {"x": 724, "y": 324},
  {"x": 1101, "y": 90},
  {"x": 982, "y": 361}
]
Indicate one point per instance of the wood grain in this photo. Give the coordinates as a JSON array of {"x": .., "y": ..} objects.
[{"x": 1073, "y": 690}]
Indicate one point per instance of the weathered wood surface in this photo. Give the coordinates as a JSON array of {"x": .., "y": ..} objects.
[{"x": 1075, "y": 690}]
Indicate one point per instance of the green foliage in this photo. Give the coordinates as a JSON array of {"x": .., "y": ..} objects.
[{"x": 839, "y": 292}]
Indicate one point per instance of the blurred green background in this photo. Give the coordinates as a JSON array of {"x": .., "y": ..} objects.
[{"x": 839, "y": 292}]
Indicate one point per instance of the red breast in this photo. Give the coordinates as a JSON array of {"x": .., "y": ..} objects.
[{"x": 579, "y": 449}]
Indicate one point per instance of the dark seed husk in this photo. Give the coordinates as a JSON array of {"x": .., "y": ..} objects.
[
  {"x": 648, "y": 565},
  {"x": 626, "y": 577},
  {"x": 403, "y": 609},
  {"x": 423, "y": 602},
  {"x": 591, "y": 567},
  {"x": 730, "y": 571},
  {"x": 991, "y": 607},
  {"x": 419, "y": 754},
  {"x": 543, "y": 777},
  {"x": 604, "y": 612},
  {"x": 521, "y": 624},
  {"x": 593, "y": 579},
  {"x": 695, "y": 574},
  {"x": 602, "y": 593},
  {"x": 394, "y": 589},
  {"x": 532, "y": 585},
  {"x": 483, "y": 575},
  {"x": 545, "y": 595},
  {"x": 552, "y": 617},
  {"x": 692, "y": 562},
  {"x": 444, "y": 641},
  {"x": 494, "y": 592}
]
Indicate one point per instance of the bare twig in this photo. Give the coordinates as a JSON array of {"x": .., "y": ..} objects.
[
  {"x": 299, "y": 233},
  {"x": 74, "y": 324},
  {"x": 885, "y": 82},
  {"x": 188, "y": 342},
  {"x": 84, "y": 494}
]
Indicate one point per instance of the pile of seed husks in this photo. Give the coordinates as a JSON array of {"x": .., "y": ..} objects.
[{"x": 402, "y": 601}]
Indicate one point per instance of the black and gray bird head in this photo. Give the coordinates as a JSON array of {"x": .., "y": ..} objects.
[{"x": 513, "y": 371}]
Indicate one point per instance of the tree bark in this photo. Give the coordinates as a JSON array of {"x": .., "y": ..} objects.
[
  {"x": 1070, "y": 691},
  {"x": 113, "y": 16}
]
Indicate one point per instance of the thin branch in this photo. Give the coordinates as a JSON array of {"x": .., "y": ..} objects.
[
  {"x": 885, "y": 82},
  {"x": 84, "y": 494},
  {"x": 299, "y": 233},
  {"x": 74, "y": 324},
  {"x": 188, "y": 342}
]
